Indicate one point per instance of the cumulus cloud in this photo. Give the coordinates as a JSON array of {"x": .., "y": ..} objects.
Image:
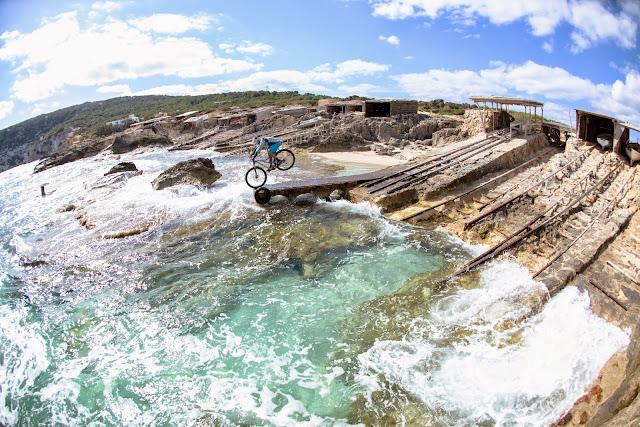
[
  {"x": 247, "y": 47},
  {"x": 61, "y": 54},
  {"x": 169, "y": 23},
  {"x": 392, "y": 40},
  {"x": 114, "y": 89},
  {"x": 282, "y": 80},
  {"x": 624, "y": 99},
  {"x": 6, "y": 108},
  {"x": 346, "y": 69},
  {"x": 363, "y": 89},
  {"x": 620, "y": 99},
  {"x": 591, "y": 20},
  {"x": 309, "y": 81},
  {"x": 44, "y": 107},
  {"x": 255, "y": 48},
  {"x": 548, "y": 47},
  {"x": 106, "y": 6}
]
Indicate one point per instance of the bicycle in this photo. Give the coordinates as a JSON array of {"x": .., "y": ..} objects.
[{"x": 257, "y": 175}]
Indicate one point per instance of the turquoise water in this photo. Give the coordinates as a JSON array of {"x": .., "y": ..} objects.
[{"x": 227, "y": 313}]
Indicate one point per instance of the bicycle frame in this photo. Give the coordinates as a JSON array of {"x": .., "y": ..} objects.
[{"x": 261, "y": 161}]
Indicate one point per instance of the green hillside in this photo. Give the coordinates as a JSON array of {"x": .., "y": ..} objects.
[{"x": 90, "y": 116}]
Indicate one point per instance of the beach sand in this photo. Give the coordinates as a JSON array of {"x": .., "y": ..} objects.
[{"x": 370, "y": 157}]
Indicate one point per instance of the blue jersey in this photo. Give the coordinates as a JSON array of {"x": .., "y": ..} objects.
[{"x": 264, "y": 142}]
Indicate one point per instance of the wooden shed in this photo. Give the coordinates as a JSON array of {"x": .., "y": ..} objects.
[
  {"x": 389, "y": 107},
  {"x": 352, "y": 106}
]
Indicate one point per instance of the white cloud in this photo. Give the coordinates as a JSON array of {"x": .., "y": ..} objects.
[
  {"x": 624, "y": 99},
  {"x": 282, "y": 80},
  {"x": 106, "y": 6},
  {"x": 345, "y": 70},
  {"x": 559, "y": 113},
  {"x": 393, "y": 40},
  {"x": 114, "y": 89},
  {"x": 61, "y": 54},
  {"x": 44, "y": 107},
  {"x": 363, "y": 89},
  {"x": 255, "y": 48},
  {"x": 310, "y": 81},
  {"x": 247, "y": 47},
  {"x": 451, "y": 85},
  {"x": 592, "y": 22},
  {"x": 547, "y": 47},
  {"x": 227, "y": 47},
  {"x": 169, "y": 23},
  {"x": 6, "y": 108},
  {"x": 621, "y": 99}
]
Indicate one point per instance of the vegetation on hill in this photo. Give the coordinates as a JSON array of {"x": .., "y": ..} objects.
[
  {"x": 439, "y": 106},
  {"x": 90, "y": 116}
]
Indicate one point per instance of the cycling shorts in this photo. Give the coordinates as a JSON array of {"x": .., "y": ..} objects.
[{"x": 274, "y": 147}]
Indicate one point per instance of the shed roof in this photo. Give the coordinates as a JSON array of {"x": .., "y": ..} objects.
[
  {"x": 630, "y": 126},
  {"x": 188, "y": 113},
  {"x": 390, "y": 100},
  {"x": 596, "y": 114},
  {"x": 507, "y": 101}
]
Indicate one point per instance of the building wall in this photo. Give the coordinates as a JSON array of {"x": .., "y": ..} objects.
[{"x": 404, "y": 107}]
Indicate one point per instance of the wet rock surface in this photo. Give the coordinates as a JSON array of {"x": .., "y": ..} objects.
[
  {"x": 76, "y": 152},
  {"x": 306, "y": 199},
  {"x": 200, "y": 171},
  {"x": 122, "y": 167},
  {"x": 125, "y": 143}
]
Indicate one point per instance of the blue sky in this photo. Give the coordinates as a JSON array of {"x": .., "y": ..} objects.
[{"x": 566, "y": 53}]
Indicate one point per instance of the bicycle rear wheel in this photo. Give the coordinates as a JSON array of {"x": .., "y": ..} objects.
[
  {"x": 287, "y": 159},
  {"x": 256, "y": 177}
]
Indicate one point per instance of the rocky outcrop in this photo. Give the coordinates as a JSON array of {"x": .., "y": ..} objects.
[
  {"x": 355, "y": 132},
  {"x": 44, "y": 146},
  {"x": 126, "y": 143},
  {"x": 76, "y": 152},
  {"x": 449, "y": 136},
  {"x": 200, "y": 171},
  {"x": 122, "y": 167},
  {"x": 493, "y": 120}
]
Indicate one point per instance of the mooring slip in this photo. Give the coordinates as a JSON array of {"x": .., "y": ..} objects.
[{"x": 321, "y": 187}]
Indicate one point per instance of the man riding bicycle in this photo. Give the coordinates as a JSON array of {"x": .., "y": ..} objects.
[{"x": 263, "y": 142}]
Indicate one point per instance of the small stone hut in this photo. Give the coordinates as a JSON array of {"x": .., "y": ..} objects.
[{"x": 389, "y": 107}]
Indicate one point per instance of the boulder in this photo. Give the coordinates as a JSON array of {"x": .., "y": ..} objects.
[
  {"x": 126, "y": 143},
  {"x": 336, "y": 195},
  {"x": 306, "y": 199},
  {"x": 195, "y": 171},
  {"x": 122, "y": 167}
]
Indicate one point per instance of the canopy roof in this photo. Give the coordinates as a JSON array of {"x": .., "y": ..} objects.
[{"x": 506, "y": 100}]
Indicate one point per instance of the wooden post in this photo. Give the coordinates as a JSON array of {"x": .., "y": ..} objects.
[
  {"x": 42, "y": 192},
  {"x": 484, "y": 111}
]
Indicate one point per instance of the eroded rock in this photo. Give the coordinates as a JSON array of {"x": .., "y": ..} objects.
[
  {"x": 122, "y": 167},
  {"x": 200, "y": 171},
  {"x": 306, "y": 199},
  {"x": 126, "y": 143}
]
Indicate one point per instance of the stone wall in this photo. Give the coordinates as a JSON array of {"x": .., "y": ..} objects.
[{"x": 494, "y": 120}]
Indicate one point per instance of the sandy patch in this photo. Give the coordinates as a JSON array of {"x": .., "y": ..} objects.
[{"x": 370, "y": 158}]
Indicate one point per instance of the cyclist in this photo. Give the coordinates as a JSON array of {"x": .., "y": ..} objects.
[{"x": 263, "y": 142}]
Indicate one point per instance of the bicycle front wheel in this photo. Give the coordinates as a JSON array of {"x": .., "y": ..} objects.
[
  {"x": 287, "y": 159},
  {"x": 256, "y": 177}
]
